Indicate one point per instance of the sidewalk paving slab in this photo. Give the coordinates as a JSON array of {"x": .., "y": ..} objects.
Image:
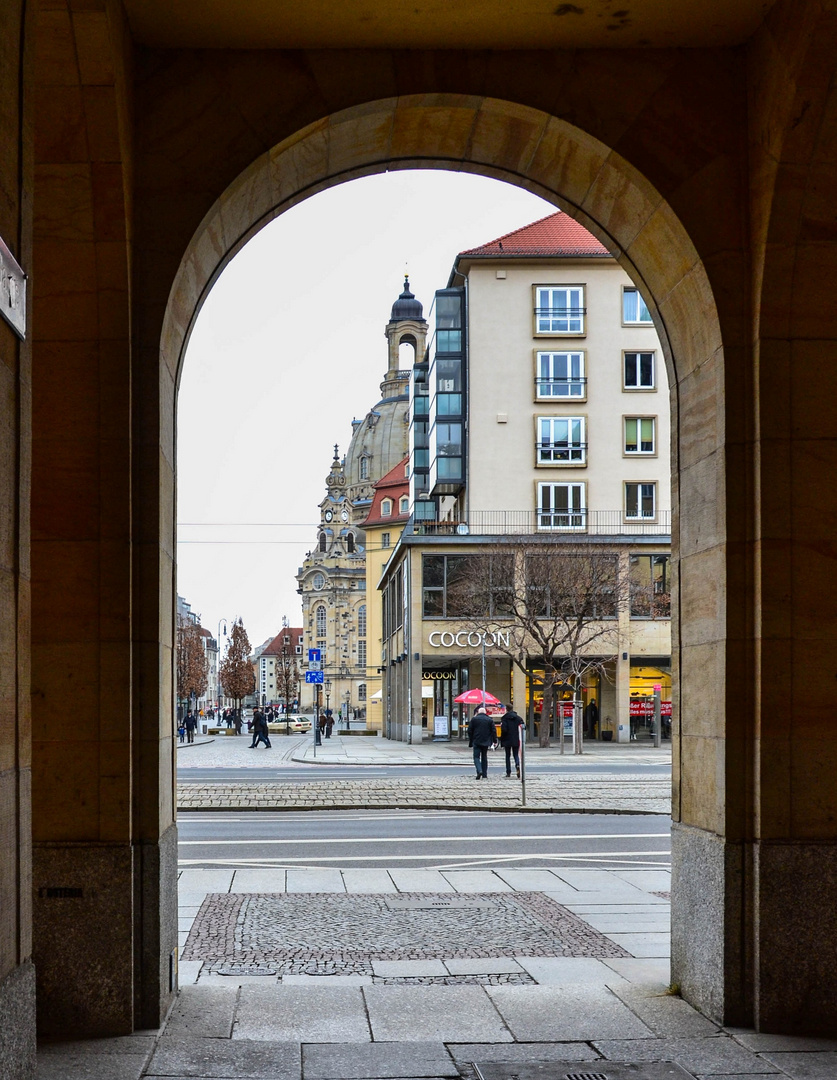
[
  {"x": 522, "y": 1053},
  {"x": 667, "y": 1015},
  {"x": 314, "y": 880},
  {"x": 699, "y": 1055},
  {"x": 817, "y": 1065},
  {"x": 569, "y": 971},
  {"x": 425, "y": 1013},
  {"x": 207, "y": 1012},
  {"x": 232, "y": 1060},
  {"x": 565, "y": 1013},
  {"x": 302, "y": 1014},
  {"x": 379, "y": 1059}
]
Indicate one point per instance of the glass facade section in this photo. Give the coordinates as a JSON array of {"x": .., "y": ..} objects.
[{"x": 650, "y": 586}]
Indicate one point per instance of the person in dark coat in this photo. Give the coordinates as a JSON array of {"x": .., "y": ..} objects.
[
  {"x": 191, "y": 726},
  {"x": 591, "y": 718},
  {"x": 260, "y": 730},
  {"x": 510, "y": 738},
  {"x": 481, "y": 735}
]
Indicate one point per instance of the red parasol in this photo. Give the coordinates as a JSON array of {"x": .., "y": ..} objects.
[{"x": 476, "y": 697}]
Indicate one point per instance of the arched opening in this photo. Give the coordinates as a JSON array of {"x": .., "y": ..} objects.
[{"x": 593, "y": 184}]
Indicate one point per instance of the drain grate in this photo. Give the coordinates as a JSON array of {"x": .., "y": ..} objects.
[{"x": 565, "y": 1070}]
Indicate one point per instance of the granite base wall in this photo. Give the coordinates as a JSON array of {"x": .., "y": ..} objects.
[
  {"x": 797, "y": 938},
  {"x": 708, "y": 919},
  {"x": 158, "y": 885},
  {"x": 17, "y": 1024}
]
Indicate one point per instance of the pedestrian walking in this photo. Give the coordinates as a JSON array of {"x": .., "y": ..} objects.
[
  {"x": 591, "y": 718},
  {"x": 510, "y": 738},
  {"x": 482, "y": 735},
  {"x": 260, "y": 730},
  {"x": 191, "y": 725},
  {"x": 329, "y": 723},
  {"x": 228, "y": 720},
  {"x": 181, "y": 730},
  {"x": 237, "y": 721}
]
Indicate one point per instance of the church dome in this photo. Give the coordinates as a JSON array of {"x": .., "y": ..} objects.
[{"x": 406, "y": 306}]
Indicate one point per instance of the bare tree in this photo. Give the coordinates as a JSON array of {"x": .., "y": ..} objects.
[
  {"x": 236, "y": 671},
  {"x": 192, "y": 664},
  {"x": 287, "y": 669},
  {"x": 558, "y": 601}
]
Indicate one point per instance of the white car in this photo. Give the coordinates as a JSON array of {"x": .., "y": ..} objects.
[{"x": 291, "y": 723}]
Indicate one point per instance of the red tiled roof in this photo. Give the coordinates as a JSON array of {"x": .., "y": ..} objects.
[
  {"x": 392, "y": 485},
  {"x": 275, "y": 646},
  {"x": 554, "y": 236}
]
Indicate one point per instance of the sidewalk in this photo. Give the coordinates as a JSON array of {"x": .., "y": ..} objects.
[
  {"x": 573, "y": 790},
  {"x": 317, "y": 974}
]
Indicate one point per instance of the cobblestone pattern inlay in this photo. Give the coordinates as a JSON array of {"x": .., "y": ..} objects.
[{"x": 334, "y": 934}]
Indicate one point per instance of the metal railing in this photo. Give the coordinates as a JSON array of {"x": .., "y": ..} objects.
[{"x": 523, "y": 522}]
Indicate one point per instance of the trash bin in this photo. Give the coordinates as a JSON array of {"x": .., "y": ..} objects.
[{"x": 204, "y": 728}]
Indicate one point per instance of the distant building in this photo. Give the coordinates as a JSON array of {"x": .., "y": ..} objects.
[{"x": 540, "y": 410}]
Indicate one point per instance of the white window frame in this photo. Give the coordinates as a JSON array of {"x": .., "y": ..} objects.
[
  {"x": 639, "y": 452},
  {"x": 639, "y": 385},
  {"x": 321, "y": 625},
  {"x": 560, "y": 388},
  {"x": 640, "y": 304},
  {"x": 557, "y": 316},
  {"x": 547, "y": 449},
  {"x": 385, "y": 541},
  {"x": 404, "y": 504},
  {"x": 639, "y": 484},
  {"x": 386, "y": 507},
  {"x": 571, "y": 519}
]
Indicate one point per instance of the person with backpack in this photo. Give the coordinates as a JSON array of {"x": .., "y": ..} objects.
[{"x": 510, "y": 738}]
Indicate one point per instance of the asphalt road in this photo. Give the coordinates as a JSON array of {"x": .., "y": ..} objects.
[
  {"x": 304, "y": 773},
  {"x": 422, "y": 839}
]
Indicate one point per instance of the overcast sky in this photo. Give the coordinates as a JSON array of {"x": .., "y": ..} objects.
[{"x": 288, "y": 348}]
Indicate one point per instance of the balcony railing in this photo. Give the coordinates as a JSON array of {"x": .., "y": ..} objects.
[{"x": 523, "y": 522}]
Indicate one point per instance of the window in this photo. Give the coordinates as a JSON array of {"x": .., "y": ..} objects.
[
  {"x": 639, "y": 371},
  {"x": 361, "y": 620},
  {"x": 640, "y": 435},
  {"x": 650, "y": 586},
  {"x": 299, "y": 650},
  {"x": 404, "y": 504},
  {"x": 385, "y": 540},
  {"x": 559, "y": 309},
  {"x": 386, "y": 507},
  {"x": 448, "y": 404},
  {"x": 361, "y": 583},
  {"x": 560, "y": 375},
  {"x": 321, "y": 645},
  {"x": 640, "y": 502},
  {"x": 562, "y": 506},
  {"x": 458, "y": 586},
  {"x": 320, "y": 616},
  {"x": 361, "y": 653},
  {"x": 633, "y": 308},
  {"x": 364, "y": 468},
  {"x": 421, "y": 405},
  {"x": 350, "y": 543},
  {"x": 361, "y": 692},
  {"x": 319, "y": 581},
  {"x": 561, "y": 440},
  {"x": 323, "y": 541}
]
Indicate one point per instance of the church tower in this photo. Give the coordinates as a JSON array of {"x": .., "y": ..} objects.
[{"x": 332, "y": 580}]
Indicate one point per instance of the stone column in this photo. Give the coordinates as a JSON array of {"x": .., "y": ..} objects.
[{"x": 17, "y": 974}]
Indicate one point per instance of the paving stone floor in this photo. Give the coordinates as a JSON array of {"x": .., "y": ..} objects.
[{"x": 399, "y": 1020}]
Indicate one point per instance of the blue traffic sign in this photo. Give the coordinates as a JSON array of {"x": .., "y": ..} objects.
[
  {"x": 314, "y": 658},
  {"x": 313, "y": 676}
]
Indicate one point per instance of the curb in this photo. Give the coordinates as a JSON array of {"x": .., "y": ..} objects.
[{"x": 225, "y": 807}]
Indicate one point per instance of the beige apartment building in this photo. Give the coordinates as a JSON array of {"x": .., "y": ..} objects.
[{"x": 540, "y": 412}]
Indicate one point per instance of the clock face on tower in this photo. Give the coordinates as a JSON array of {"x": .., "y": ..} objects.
[
  {"x": 328, "y": 515},
  {"x": 344, "y": 514}
]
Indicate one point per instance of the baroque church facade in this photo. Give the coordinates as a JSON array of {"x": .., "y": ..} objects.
[{"x": 332, "y": 580}]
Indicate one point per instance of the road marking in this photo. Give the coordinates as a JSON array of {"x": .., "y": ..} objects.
[
  {"x": 517, "y": 838},
  {"x": 580, "y": 856}
]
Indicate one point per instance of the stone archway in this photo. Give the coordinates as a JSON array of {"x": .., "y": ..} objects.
[{"x": 601, "y": 189}]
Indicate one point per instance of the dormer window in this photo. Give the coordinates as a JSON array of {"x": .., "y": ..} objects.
[
  {"x": 386, "y": 507},
  {"x": 404, "y": 505},
  {"x": 364, "y": 468}
]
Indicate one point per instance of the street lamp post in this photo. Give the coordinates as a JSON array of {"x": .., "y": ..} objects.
[
  {"x": 222, "y": 630},
  {"x": 327, "y": 693}
]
